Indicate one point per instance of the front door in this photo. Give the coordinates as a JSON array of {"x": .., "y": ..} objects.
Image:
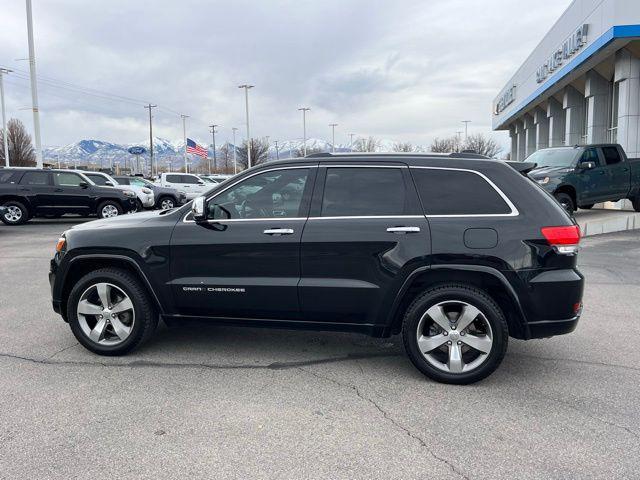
[
  {"x": 244, "y": 262},
  {"x": 593, "y": 182},
  {"x": 71, "y": 192},
  {"x": 364, "y": 231}
]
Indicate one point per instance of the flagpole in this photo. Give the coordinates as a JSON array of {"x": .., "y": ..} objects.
[{"x": 184, "y": 137}]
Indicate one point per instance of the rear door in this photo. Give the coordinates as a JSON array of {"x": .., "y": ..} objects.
[
  {"x": 365, "y": 233},
  {"x": 37, "y": 187},
  {"x": 618, "y": 172}
]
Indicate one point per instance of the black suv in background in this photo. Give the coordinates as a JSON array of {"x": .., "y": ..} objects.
[
  {"x": 29, "y": 192},
  {"x": 455, "y": 254}
]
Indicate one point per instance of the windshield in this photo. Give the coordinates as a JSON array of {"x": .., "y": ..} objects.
[{"x": 553, "y": 157}]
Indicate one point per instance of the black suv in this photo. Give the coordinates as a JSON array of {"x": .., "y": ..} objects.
[
  {"x": 29, "y": 192},
  {"x": 455, "y": 254}
]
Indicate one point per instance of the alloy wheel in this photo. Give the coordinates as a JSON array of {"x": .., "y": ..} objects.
[
  {"x": 14, "y": 214},
  {"x": 167, "y": 204},
  {"x": 109, "y": 211},
  {"x": 454, "y": 336},
  {"x": 106, "y": 314}
]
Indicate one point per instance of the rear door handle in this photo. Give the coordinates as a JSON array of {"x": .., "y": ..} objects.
[
  {"x": 278, "y": 231},
  {"x": 403, "y": 229},
  {"x": 58, "y": 190}
]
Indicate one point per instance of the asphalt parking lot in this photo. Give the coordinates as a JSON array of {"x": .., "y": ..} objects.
[{"x": 220, "y": 402}]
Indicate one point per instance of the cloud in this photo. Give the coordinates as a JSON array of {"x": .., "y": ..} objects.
[{"x": 408, "y": 70}]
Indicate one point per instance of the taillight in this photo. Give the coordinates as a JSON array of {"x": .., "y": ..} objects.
[{"x": 564, "y": 239}]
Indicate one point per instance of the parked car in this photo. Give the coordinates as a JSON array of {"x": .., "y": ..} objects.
[
  {"x": 191, "y": 184},
  {"x": 29, "y": 192},
  {"x": 144, "y": 196},
  {"x": 581, "y": 176},
  {"x": 165, "y": 197},
  {"x": 455, "y": 254}
]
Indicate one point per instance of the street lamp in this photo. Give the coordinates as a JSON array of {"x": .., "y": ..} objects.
[
  {"x": 466, "y": 124},
  {"x": 5, "y": 135},
  {"x": 213, "y": 132},
  {"x": 351, "y": 142},
  {"x": 235, "y": 162},
  {"x": 304, "y": 111},
  {"x": 184, "y": 137},
  {"x": 333, "y": 137},
  {"x": 246, "y": 101}
]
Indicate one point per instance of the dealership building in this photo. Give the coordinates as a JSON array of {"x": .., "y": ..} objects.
[{"x": 580, "y": 85}]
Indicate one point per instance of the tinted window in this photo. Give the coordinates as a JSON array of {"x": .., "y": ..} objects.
[
  {"x": 9, "y": 176},
  {"x": 67, "y": 179},
  {"x": 267, "y": 195},
  {"x": 452, "y": 192},
  {"x": 190, "y": 179},
  {"x": 122, "y": 180},
  {"x": 363, "y": 192},
  {"x": 590, "y": 155},
  {"x": 35, "y": 178},
  {"x": 174, "y": 178},
  {"x": 98, "y": 179},
  {"x": 611, "y": 155}
]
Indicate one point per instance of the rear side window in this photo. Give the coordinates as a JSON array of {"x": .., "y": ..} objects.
[
  {"x": 9, "y": 176},
  {"x": 174, "y": 179},
  {"x": 611, "y": 155},
  {"x": 35, "y": 178},
  {"x": 363, "y": 192},
  {"x": 98, "y": 179},
  {"x": 455, "y": 192}
]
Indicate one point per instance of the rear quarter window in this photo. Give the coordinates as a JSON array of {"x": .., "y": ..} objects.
[
  {"x": 10, "y": 176},
  {"x": 457, "y": 192}
]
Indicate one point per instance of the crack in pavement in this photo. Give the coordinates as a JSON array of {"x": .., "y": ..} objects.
[
  {"x": 393, "y": 421},
  {"x": 210, "y": 366},
  {"x": 63, "y": 350},
  {"x": 572, "y": 360}
]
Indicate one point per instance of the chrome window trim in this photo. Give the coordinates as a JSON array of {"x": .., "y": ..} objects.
[
  {"x": 356, "y": 217},
  {"x": 330, "y": 165},
  {"x": 514, "y": 211}
]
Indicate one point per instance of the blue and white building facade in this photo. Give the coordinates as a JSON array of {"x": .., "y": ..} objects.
[{"x": 580, "y": 85}]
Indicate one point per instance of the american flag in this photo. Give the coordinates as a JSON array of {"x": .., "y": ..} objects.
[{"x": 193, "y": 147}]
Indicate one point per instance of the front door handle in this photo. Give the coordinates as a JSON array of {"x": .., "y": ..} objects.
[
  {"x": 403, "y": 229},
  {"x": 278, "y": 231},
  {"x": 58, "y": 190}
]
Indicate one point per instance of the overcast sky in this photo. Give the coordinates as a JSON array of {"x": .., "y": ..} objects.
[{"x": 402, "y": 70}]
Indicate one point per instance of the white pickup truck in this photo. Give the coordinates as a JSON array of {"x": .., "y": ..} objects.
[{"x": 186, "y": 182}]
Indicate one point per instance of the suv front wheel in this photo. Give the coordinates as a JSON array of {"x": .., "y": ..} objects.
[{"x": 455, "y": 334}]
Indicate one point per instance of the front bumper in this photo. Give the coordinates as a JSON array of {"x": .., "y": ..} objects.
[{"x": 147, "y": 199}]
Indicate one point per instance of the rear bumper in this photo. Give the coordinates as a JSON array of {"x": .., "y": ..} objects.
[{"x": 550, "y": 328}]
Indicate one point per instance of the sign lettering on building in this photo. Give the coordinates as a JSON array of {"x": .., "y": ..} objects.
[
  {"x": 507, "y": 98},
  {"x": 569, "y": 47}
]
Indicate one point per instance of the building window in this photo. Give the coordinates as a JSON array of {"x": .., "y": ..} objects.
[
  {"x": 585, "y": 121},
  {"x": 614, "y": 96}
]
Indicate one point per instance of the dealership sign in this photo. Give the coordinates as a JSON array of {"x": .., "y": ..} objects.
[
  {"x": 137, "y": 150},
  {"x": 506, "y": 99},
  {"x": 571, "y": 45}
]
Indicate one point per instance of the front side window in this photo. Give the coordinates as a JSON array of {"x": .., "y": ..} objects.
[
  {"x": 272, "y": 194},
  {"x": 590, "y": 155},
  {"x": 190, "y": 179},
  {"x": 455, "y": 192},
  {"x": 611, "y": 155},
  {"x": 35, "y": 178},
  {"x": 67, "y": 179},
  {"x": 362, "y": 191}
]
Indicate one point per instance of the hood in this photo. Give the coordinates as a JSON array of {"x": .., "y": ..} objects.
[
  {"x": 107, "y": 189},
  {"x": 126, "y": 220},
  {"x": 549, "y": 171}
]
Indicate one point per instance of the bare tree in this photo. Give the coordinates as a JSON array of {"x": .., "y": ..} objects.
[
  {"x": 21, "y": 152},
  {"x": 299, "y": 152},
  {"x": 259, "y": 152},
  {"x": 225, "y": 158},
  {"x": 482, "y": 145},
  {"x": 370, "y": 144},
  {"x": 443, "y": 145},
  {"x": 403, "y": 147}
]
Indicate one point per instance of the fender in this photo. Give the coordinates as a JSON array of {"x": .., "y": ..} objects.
[
  {"x": 129, "y": 260},
  {"x": 460, "y": 267}
]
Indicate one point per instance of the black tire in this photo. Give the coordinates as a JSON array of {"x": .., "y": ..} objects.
[
  {"x": 449, "y": 294},
  {"x": 146, "y": 318},
  {"x": 164, "y": 202},
  {"x": 636, "y": 203},
  {"x": 139, "y": 206},
  {"x": 566, "y": 201},
  {"x": 18, "y": 215},
  {"x": 587, "y": 207},
  {"x": 105, "y": 206}
]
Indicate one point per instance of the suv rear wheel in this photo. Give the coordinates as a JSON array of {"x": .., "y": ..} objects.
[
  {"x": 16, "y": 214},
  {"x": 110, "y": 312},
  {"x": 455, "y": 334},
  {"x": 566, "y": 201}
]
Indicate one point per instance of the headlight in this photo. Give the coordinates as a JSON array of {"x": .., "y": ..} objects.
[
  {"x": 543, "y": 181},
  {"x": 129, "y": 193},
  {"x": 146, "y": 190}
]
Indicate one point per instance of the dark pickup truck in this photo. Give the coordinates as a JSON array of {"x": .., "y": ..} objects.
[{"x": 581, "y": 176}]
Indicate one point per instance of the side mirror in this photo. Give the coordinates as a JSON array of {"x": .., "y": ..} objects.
[
  {"x": 108, "y": 183},
  {"x": 83, "y": 185},
  {"x": 586, "y": 165},
  {"x": 200, "y": 182},
  {"x": 198, "y": 210}
]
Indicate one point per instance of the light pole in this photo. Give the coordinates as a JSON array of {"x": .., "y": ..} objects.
[
  {"x": 277, "y": 152},
  {"x": 184, "y": 137},
  {"x": 304, "y": 111},
  {"x": 149, "y": 107},
  {"x": 235, "y": 162},
  {"x": 466, "y": 124},
  {"x": 333, "y": 137},
  {"x": 351, "y": 142},
  {"x": 5, "y": 135},
  {"x": 458, "y": 140},
  {"x": 246, "y": 102},
  {"x": 213, "y": 133},
  {"x": 34, "y": 87}
]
